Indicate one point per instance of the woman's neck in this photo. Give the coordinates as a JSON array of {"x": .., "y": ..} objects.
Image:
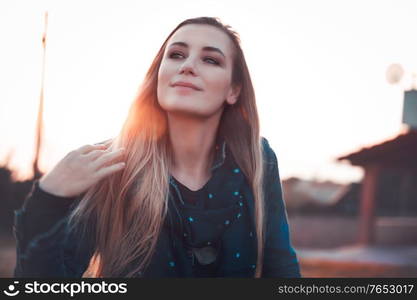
[{"x": 192, "y": 142}]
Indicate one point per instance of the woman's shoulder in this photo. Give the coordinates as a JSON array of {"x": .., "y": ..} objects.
[
  {"x": 269, "y": 155},
  {"x": 265, "y": 142}
]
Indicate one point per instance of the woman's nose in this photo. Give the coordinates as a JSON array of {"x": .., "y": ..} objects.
[{"x": 187, "y": 67}]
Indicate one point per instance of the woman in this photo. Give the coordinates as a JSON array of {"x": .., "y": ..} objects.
[{"x": 187, "y": 189}]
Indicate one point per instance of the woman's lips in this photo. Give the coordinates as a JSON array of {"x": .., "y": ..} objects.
[{"x": 185, "y": 89}]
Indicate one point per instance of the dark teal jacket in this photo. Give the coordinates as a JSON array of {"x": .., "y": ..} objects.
[{"x": 222, "y": 220}]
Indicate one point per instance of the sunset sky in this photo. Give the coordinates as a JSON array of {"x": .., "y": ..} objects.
[{"x": 318, "y": 68}]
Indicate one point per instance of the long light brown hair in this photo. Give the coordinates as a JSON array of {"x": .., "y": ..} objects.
[{"x": 124, "y": 212}]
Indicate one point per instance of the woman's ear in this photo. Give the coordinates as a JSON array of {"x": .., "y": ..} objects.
[{"x": 233, "y": 94}]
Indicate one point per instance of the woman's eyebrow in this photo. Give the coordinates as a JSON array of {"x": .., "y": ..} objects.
[{"x": 206, "y": 48}]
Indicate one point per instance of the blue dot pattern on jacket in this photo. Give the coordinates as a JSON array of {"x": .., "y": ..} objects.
[{"x": 213, "y": 225}]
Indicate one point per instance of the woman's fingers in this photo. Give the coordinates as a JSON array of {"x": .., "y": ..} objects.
[
  {"x": 103, "y": 172},
  {"x": 107, "y": 157},
  {"x": 77, "y": 171},
  {"x": 94, "y": 154},
  {"x": 88, "y": 148}
]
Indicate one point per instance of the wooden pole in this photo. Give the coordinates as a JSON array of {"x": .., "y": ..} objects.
[
  {"x": 367, "y": 206},
  {"x": 39, "y": 122}
]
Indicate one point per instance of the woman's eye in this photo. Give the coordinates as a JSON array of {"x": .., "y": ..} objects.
[
  {"x": 215, "y": 62},
  {"x": 211, "y": 60},
  {"x": 174, "y": 53}
]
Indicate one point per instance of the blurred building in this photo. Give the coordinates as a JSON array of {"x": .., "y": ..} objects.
[
  {"x": 389, "y": 186},
  {"x": 310, "y": 196}
]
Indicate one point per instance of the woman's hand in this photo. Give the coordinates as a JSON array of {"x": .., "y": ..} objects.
[{"x": 80, "y": 169}]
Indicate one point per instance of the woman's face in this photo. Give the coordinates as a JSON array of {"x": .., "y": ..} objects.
[{"x": 201, "y": 55}]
